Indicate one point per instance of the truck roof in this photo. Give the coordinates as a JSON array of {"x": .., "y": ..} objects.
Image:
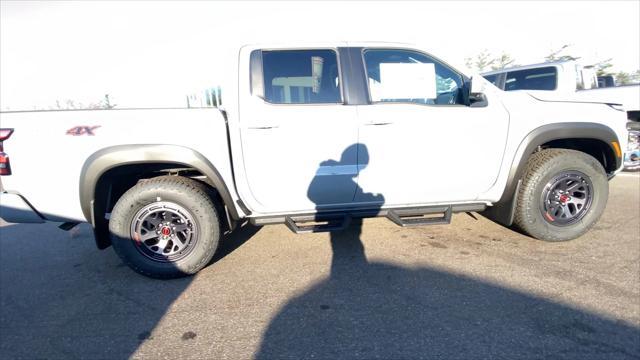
[
  {"x": 531, "y": 66},
  {"x": 317, "y": 44}
]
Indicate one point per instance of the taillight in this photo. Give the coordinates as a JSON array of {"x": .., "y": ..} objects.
[{"x": 5, "y": 165}]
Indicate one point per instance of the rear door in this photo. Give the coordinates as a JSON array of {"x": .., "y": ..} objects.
[{"x": 298, "y": 138}]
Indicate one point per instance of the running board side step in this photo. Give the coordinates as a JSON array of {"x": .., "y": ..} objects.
[
  {"x": 318, "y": 223},
  {"x": 339, "y": 220},
  {"x": 419, "y": 216}
]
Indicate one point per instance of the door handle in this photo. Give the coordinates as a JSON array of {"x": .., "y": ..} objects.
[
  {"x": 379, "y": 123},
  {"x": 265, "y": 127}
]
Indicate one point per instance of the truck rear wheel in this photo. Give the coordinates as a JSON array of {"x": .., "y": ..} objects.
[
  {"x": 562, "y": 195},
  {"x": 165, "y": 227}
]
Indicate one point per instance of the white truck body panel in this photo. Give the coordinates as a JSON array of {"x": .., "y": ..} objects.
[
  {"x": 574, "y": 83},
  {"x": 432, "y": 141},
  {"x": 525, "y": 120},
  {"x": 46, "y": 162},
  {"x": 627, "y": 95},
  {"x": 286, "y": 146}
]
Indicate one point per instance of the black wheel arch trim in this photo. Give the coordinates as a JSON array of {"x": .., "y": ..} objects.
[
  {"x": 111, "y": 157},
  {"x": 503, "y": 211}
]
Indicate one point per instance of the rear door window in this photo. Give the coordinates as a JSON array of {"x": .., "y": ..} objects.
[{"x": 301, "y": 76}]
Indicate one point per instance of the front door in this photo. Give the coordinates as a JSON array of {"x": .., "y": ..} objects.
[{"x": 426, "y": 148}]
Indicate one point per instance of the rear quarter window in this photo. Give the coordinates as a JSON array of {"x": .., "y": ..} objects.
[{"x": 545, "y": 78}]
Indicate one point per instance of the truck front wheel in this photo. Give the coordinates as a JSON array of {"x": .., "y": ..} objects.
[
  {"x": 165, "y": 227},
  {"x": 562, "y": 195}
]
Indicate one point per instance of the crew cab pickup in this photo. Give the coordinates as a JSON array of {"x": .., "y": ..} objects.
[{"x": 312, "y": 136}]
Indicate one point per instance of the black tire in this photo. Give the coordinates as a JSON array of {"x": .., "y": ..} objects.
[
  {"x": 535, "y": 214},
  {"x": 173, "y": 202}
]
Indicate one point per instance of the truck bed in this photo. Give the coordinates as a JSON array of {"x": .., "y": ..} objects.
[{"x": 48, "y": 149}]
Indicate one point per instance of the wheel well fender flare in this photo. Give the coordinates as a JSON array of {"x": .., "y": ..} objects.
[
  {"x": 111, "y": 157},
  {"x": 503, "y": 210}
]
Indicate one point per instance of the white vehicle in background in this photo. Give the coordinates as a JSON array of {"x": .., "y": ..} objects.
[
  {"x": 570, "y": 81},
  {"x": 311, "y": 136},
  {"x": 563, "y": 77}
]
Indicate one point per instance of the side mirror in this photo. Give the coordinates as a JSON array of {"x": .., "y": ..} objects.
[{"x": 478, "y": 84}]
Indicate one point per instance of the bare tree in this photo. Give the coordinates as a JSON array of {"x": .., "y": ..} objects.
[
  {"x": 556, "y": 55},
  {"x": 503, "y": 61},
  {"x": 623, "y": 78},
  {"x": 486, "y": 61},
  {"x": 481, "y": 62},
  {"x": 104, "y": 104},
  {"x": 603, "y": 67},
  {"x": 70, "y": 104},
  {"x": 107, "y": 103}
]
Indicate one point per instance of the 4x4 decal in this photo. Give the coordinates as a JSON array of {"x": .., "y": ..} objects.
[{"x": 82, "y": 130}]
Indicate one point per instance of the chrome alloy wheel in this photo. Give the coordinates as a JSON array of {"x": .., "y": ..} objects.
[
  {"x": 164, "y": 231},
  {"x": 566, "y": 198}
]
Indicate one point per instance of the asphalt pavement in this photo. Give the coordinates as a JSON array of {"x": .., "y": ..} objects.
[{"x": 469, "y": 290}]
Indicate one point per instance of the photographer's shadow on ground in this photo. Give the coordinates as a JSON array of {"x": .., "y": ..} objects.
[{"x": 381, "y": 310}]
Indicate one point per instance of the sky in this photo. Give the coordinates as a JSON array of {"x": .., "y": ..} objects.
[{"x": 153, "y": 53}]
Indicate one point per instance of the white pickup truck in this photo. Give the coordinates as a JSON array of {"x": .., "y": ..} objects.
[{"x": 312, "y": 136}]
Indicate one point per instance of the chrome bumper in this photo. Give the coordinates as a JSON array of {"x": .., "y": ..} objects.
[{"x": 632, "y": 160}]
